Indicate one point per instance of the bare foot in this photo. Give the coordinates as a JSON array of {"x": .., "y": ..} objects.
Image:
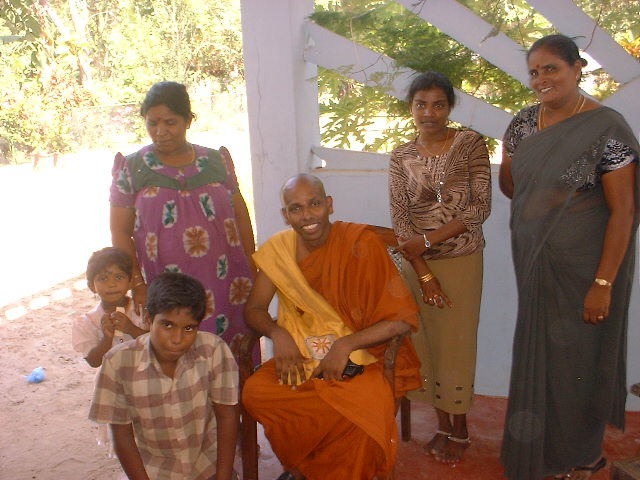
[
  {"x": 437, "y": 443},
  {"x": 453, "y": 450}
]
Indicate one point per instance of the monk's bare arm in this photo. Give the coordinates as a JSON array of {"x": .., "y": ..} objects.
[
  {"x": 288, "y": 358},
  {"x": 332, "y": 366},
  {"x": 256, "y": 310}
]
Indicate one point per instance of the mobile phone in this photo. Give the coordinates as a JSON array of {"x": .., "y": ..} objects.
[{"x": 352, "y": 369}]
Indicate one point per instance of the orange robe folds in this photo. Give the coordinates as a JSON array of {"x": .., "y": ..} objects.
[{"x": 327, "y": 429}]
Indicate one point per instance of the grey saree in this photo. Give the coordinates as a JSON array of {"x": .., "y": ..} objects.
[{"x": 568, "y": 377}]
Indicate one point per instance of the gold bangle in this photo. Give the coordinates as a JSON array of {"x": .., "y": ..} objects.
[
  {"x": 602, "y": 282},
  {"x": 427, "y": 277}
]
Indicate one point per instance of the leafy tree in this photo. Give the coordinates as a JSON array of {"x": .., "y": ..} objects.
[
  {"x": 347, "y": 107},
  {"x": 63, "y": 56}
]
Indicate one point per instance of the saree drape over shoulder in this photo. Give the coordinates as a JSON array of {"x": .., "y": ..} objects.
[
  {"x": 327, "y": 429},
  {"x": 568, "y": 376}
]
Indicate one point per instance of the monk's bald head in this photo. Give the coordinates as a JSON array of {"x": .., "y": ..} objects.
[
  {"x": 306, "y": 208},
  {"x": 301, "y": 179}
]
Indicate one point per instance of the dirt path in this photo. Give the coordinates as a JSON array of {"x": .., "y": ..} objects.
[{"x": 45, "y": 432}]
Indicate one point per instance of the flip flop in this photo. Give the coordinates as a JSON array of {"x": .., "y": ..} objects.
[{"x": 599, "y": 465}]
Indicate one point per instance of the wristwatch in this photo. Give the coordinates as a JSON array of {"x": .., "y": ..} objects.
[{"x": 427, "y": 243}]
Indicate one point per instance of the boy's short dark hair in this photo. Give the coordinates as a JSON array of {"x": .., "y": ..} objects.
[
  {"x": 171, "y": 290},
  {"x": 108, "y": 256}
]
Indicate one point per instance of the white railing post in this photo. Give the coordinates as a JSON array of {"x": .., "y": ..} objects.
[{"x": 282, "y": 101}]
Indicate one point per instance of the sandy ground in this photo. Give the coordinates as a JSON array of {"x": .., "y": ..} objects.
[
  {"x": 45, "y": 432},
  {"x": 53, "y": 219}
]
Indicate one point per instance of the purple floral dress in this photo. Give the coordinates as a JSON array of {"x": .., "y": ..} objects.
[{"x": 185, "y": 222}]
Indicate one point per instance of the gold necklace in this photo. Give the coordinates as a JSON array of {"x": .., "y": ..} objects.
[
  {"x": 577, "y": 108},
  {"x": 444, "y": 145}
]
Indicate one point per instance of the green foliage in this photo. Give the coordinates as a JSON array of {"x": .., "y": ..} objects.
[
  {"x": 384, "y": 26},
  {"x": 107, "y": 53},
  {"x": 17, "y": 16}
]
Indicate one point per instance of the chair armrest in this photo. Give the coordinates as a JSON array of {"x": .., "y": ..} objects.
[
  {"x": 386, "y": 234},
  {"x": 390, "y": 354},
  {"x": 242, "y": 347}
]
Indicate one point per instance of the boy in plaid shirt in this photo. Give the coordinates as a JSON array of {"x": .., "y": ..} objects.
[{"x": 171, "y": 396}]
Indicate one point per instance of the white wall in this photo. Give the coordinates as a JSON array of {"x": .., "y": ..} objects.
[
  {"x": 282, "y": 101},
  {"x": 363, "y": 197}
]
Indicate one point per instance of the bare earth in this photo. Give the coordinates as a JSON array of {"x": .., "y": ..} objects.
[{"x": 45, "y": 432}]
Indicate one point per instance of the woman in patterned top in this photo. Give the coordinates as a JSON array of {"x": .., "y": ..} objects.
[
  {"x": 570, "y": 167},
  {"x": 176, "y": 207},
  {"x": 440, "y": 190}
]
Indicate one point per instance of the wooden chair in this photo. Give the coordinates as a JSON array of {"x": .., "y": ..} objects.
[
  {"x": 387, "y": 235},
  {"x": 243, "y": 346}
]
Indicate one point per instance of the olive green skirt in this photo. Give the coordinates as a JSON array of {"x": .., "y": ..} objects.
[{"x": 446, "y": 338}]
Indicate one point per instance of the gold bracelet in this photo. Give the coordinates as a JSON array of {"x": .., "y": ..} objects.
[
  {"x": 602, "y": 282},
  {"x": 427, "y": 277}
]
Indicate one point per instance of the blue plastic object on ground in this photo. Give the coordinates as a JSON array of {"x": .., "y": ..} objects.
[{"x": 36, "y": 376}]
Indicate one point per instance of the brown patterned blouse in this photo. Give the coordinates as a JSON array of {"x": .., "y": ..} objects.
[{"x": 426, "y": 193}]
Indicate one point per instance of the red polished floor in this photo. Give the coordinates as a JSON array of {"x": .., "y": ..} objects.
[{"x": 481, "y": 461}]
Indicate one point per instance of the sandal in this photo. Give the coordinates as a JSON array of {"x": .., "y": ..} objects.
[
  {"x": 429, "y": 449},
  {"x": 589, "y": 470}
]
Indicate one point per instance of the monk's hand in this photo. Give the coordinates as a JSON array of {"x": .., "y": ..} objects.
[
  {"x": 334, "y": 362},
  {"x": 289, "y": 360},
  {"x": 596, "y": 304},
  {"x": 412, "y": 247},
  {"x": 432, "y": 294}
]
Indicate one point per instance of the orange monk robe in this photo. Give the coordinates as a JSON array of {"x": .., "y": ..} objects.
[{"x": 342, "y": 430}]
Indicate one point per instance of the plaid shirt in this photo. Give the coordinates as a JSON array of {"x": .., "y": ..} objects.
[{"x": 173, "y": 419}]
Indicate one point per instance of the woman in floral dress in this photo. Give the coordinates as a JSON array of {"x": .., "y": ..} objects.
[{"x": 176, "y": 206}]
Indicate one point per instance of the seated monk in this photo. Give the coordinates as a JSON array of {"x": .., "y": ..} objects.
[{"x": 340, "y": 299}]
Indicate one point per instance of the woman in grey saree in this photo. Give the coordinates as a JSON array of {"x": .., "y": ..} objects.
[{"x": 574, "y": 207}]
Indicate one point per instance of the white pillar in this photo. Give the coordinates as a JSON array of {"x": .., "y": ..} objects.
[{"x": 282, "y": 101}]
